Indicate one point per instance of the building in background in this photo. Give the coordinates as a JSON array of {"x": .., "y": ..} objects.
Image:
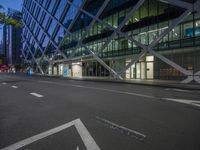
[
  {"x": 124, "y": 39},
  {"x": 1, "y": 52},
  {"x": 12, "y": 41},
  {"x": 1, "y": 45}
]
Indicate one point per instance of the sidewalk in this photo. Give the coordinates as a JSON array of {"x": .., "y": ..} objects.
[{"x": 159, "y": 83}]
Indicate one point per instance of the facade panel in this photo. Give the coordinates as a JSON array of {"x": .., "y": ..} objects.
[{"x": 132, "y": 39}]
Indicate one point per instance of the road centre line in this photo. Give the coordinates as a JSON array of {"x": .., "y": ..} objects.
[
  {"x": 114, "y": 91},
  {"x": 45, "y": 81},
  {"x": 85, "y": 136},
  {"x": 37, "y": 95},
  {"x": 181, "y": 90},
  {"x": 178, "y": 90},
  {"x": 101, "y": 89},
  {"x": 188, "y": 102}
]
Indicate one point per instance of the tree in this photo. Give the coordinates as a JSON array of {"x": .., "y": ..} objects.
[{"x": 5, "y": 19}]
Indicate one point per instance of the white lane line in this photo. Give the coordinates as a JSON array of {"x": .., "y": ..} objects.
[
  {"x": 184, "y": 101},
  {"x": 114, "y": 91},
  {"x": 181, "y": 90},
  {"x": 15, "y": 87},
  {"x": 85, "y": 135},
  {"x": 45, "y": 81},
  {"x": 77, "y": 148},
  {"x": 4, "y": 83},
  {"x": 177, "y": 90},
  {"x": 89, "y": 142},
  {"x": 37, "y": 137},
  {"x": 100, "y": 89},
  {"x": 136, "y": 134},
  {"x": 36, "y": 95}
]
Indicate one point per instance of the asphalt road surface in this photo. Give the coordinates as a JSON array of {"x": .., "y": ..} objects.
[{"x": 40, "y": 113}]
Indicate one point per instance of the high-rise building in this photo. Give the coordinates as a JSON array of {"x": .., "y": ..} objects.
[
  {"x": 12, "y": 41},
  {"x": 1, "y": 52},
  {"x": 1, "y": 47},
  {"x": 124, "y": 39}
]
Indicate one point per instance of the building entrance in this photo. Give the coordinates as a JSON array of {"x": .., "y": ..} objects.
[{"x": 142, "y": 69}]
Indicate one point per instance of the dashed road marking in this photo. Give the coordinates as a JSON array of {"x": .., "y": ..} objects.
[
  {"x": 37, "y": 95},
  {"x": 15, "y": 87},
  {"x": 122, "y": 129},
  {"x": 89, "y": 142},
  {"x": 4, "y": 83},
  {"x": 184, "y": 101}
]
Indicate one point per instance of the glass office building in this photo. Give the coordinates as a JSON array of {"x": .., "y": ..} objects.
[
  {"x": 12, "y": 45},
  {"x": 123, "y": 39}
]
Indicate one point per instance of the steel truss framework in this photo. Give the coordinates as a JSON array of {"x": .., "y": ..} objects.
[{"x": 189, "y": 8}]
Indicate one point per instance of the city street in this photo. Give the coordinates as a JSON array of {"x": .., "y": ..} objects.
[{"x": 46, "y": 113}]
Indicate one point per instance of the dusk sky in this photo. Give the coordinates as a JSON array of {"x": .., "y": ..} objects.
[{"x": 15, "y": 4}]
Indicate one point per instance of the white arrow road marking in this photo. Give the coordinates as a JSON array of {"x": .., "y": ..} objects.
[
  {"x": 85, "y": 136},
  {"x": 15, "y": 87},
  {"x": 36, "y": 95},
  {"x": 184, "y": 101}
]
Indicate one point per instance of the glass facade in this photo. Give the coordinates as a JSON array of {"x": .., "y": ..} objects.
[{"x": 64, "y": 24}]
